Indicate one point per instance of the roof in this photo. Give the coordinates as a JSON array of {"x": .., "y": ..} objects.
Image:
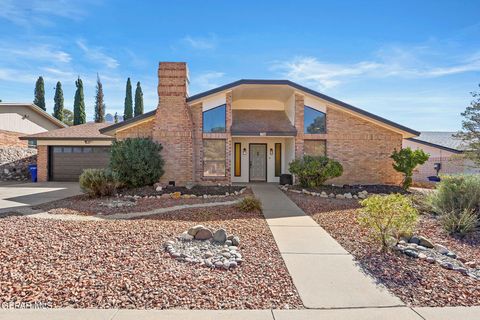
[
  {"x": 273, "y": 82},
  {"x": 255, "y": 122},
  {"x": 38, "y": 110},
  {"x": 444, "y": 140},
  {"x": 87, "y": 131}
]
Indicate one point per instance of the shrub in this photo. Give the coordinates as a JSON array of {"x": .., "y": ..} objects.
[
  {"x": 249, "y": 204},
  {"x": 460, "y": 223},
  {"x": 98, "y": 182},
  {"x": 388, "y": 217},
  {"x": 314, "y": 171},
  {"x": 406, "y": 160},
  {"x": 136, "y": 162}
]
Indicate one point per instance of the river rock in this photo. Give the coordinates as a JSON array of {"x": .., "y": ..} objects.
[
  {"x": 220, "y": 236},
  {"x": 193, "y": 230},
  {"x": 203, "y": 234}
]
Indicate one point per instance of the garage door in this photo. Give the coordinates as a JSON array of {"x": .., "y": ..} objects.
[{"x": 67, "y": 163}]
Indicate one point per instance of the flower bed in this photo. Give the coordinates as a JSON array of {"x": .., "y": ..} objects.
[
  {"x": 123, "y": 264},
  {"x": 416, "y": 281}
]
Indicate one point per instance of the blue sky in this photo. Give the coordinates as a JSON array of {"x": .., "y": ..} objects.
[{"x": 413, "y": 62}]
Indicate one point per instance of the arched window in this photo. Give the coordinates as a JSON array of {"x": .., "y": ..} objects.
[
  {"x": 214, "y": 120},
  {"x": 314, "y": 121}
]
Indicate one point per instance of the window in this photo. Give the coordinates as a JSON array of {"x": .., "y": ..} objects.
[
  {"x": 77, "y": 150},
  {"x": 214, "y": 120},
  {"x": 315, "y": 148},
  {"x": 278, "y": 159},
  {"x": 314, "y": 121},
  {"x": 32, "y": 144},
  {"x": 238, "y": 159},
  {"x": 214, "y": 158}
]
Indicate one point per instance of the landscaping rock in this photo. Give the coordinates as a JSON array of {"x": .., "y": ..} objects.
[
  {"x": 415, "y": 240},
  {"x": 193, "y": 230},
  {"x": 236, "y": 241},
  {"x": 425, "y": 242},
  {"x": 440, "y": 248},
  {"x": 203, "y": 234},
  {"x": 220, "y": 236}
]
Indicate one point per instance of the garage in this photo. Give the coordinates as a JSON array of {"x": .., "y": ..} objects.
[{"x": 68, "y": 162}]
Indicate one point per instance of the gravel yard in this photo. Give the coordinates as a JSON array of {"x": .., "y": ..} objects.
[
  {"x": 415, "y": 281},
  {"x": 123, "y": 264}
]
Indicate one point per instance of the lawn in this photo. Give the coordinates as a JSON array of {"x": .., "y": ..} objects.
[
  {"x": 122, "y": 264},
  {"x": 415, "y": 281}
]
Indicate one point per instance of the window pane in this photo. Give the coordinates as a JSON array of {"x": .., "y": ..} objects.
[
  {"x": 278, "y": 159},
  {"x": 314, "y": 121},
  {"x": 214, "y": 120},
  {"x": 87, "y": 150},
  {"x": 214, "y": 156},
  {"x": 67, "y": 149},
  {"x": 314, "y": 148},
  {"x": 57, "y": 150},
  {"x": 238, "y": 160},
  {"x": 77, "y": 150}
]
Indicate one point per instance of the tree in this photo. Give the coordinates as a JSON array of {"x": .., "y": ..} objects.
[
  {"x": 128, "y": 109},
  {"x": 115, "y": 117},
  {"x": 79, "y": 116},
  {"x": 68, "y": 117},
  {"x": 406, "y": 160},
  {"x": 99, "y": 103},
  {"x": 470, "y": 133},
  {"x": 138, "y": 100},
  {"x": 314, "y": 171},
  {"x": 40, "y": 93},
  {"x": 58, "y": 99}
]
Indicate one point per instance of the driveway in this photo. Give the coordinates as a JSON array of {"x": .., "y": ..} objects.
[{"x": 17, "y": 196}]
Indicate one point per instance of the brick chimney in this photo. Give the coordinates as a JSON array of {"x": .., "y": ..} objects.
[{"x": 173, "y": 126}]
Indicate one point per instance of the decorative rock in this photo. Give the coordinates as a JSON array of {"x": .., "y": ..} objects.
[
  {"x": 193, "y": 230},
  {"x": 220, "y": 236},
  {"x": 425, "y": 242},
  {"x": 236, "y": 241},
  {"x": 447, "y": 265},
  {"x": 203, "y": 234},
  {"x": 348, "y": 195},
  {"x": 471, "y": 264},
  {"x": 421, "y": 248},
  {"x": 415, "y": 240},
  {"x": 451, "y": 254},
  {"x": 186, "y": 236},
  {"x": 411, "y": 253},
  {"x": 226, "y": 265},
  {"x": 233, "y": 264},
  {"x": 218, "y": 264},
  {"x": 208, "y": 254},
  {"x": 422, "y": 256},
  {"x": 159, "y": 188},
  {"x": 441, "y": 249},
  {"x": 228, "y": 242},
  {"x": 430, "y": 259},
  {"x": 226, "y": 254}
]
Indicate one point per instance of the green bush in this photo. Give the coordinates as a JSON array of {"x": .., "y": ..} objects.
[
  {"x": 460, "y": 223},
  {"x": 98, "y": 182},
  {"x": 136, "y": 162},
  {"x": 388, "y": 217},
  {"x": 314, "y": 171},
  {"x": 249, "y": 204},
  {"x": 406, "y": 160}
]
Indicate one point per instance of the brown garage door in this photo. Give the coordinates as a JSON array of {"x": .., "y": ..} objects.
[{"x": 67, "y": 163}]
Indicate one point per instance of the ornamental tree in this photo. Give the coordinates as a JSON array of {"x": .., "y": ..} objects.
[
  {"x": 40, "y": 93},
  {"x": 405, "y": 162},
  {"x": 128, "y": 108},
  {"x": 99, "y": 102},
  {"x": 58, "y": 102},
  {"x": 470, "y": 133},
  {"x": 79, "y": 116},
  {"x": 138, "y": 100}
]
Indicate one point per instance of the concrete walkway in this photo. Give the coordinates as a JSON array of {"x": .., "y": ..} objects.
[{"x": 325, "y": 275}]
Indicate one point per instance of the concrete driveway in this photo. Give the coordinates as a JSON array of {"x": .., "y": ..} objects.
[{"x": 17, "y": 196}]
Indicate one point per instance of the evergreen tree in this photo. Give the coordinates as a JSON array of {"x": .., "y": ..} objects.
[
  {"x": 68, "y": 117},
  {"x": 58, "y": 99},
  {"x": 79, "y": 116},
  {"x": 138, "y": 100},
  {"x": 115, "y": 118},
  {"x": 40, "y": 93},
  {"x": 128, "y": 107},
  {"x": 470, "y": 133},
  {"x": 99, "y": 104}
]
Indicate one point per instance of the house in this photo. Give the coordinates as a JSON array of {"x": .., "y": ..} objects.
[
  {"x": 248, "y": 130},
  {"x": 446, "y": 154}
]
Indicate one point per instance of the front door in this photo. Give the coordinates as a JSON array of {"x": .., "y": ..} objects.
[{"x": 258, "y": 162}]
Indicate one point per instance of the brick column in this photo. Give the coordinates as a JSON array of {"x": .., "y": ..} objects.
[
  {"x": 299, "y": 110},
  {"x": 228, "y": 142},
  {"x": 197, "y": 117},
  {"x": 42, "y": 163}
]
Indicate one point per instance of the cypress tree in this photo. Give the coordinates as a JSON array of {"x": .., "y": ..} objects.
[
  {"x": 99, "y": 104},
  {"x": 79, "y": 116},
  {"x": 138, "y": 100},
  {"x": 40, "y": 93},
  {"x": 128, "y": 107},
  {"x": 58, "y": 99},
  {"x": 115, "y": 117}
]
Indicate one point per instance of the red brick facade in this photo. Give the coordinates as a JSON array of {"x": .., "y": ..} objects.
[
  {"x": 42, "y": 163},
  {"x": 11, "y": 139}
]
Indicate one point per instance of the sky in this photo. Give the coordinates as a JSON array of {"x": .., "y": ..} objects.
[{"x": 412, "y": 62}]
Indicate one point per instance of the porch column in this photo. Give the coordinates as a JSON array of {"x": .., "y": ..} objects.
[{"x": 299, "y": 108}]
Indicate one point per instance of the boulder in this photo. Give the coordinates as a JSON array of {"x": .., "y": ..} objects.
[
  {"x": 441, "y": 249},
  {"x": 220, "y": 236},
  {"x": 193, "y": 230},
  {"x": 236, "y": 241},
  {"x": 186, "y": 236},
  {"x": 203, "y": 234},
  {"x": 348, "y": 195},
  {"x": 415, "y": 240},
  {"x": 425, "y": 242}
]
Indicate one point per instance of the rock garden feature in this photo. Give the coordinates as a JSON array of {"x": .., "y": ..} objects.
[
  {"x": 359, "y": 194},
  {"x": 119, "y": 203},
  {"x": 201, "y": 245},
  {"x": 424, "y": 249}
]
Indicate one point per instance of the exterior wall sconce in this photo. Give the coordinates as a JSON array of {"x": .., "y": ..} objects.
[
  {"x": 271, "y": 151},
  {"x": 244, "y": 151}
]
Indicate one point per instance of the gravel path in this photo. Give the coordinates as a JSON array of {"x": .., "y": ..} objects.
[
  {"x": 415, "y": 281},
  {"x": 121, "y": 264}
]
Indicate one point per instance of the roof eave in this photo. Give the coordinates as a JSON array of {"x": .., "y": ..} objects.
[
  {"x": 119, "y": 125},
  {"x": 67, "y": 138},
  {"x": 434, "y": 145}
]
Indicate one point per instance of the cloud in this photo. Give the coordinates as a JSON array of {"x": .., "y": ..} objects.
[
  {"x": 201, "y": 43},
  {"x": 36, "y": 52},
  {"x": 207, "y": 80},
  {"x": 96, "y": 54},
  {"x": 391, "y": 62}
]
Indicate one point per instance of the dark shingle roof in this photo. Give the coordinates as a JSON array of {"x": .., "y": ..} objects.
[
  {"x": 85, "y": 131},
  {"x": 254, "y": 122}
]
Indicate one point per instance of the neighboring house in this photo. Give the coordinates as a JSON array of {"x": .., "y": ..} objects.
[
  {"x": 446, "y": 152},
  {"x": 248, "y": 130},
  {"x": 19, "y": 119}
]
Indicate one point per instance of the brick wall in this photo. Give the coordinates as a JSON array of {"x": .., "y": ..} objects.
[
  {"x": 42, "y": 163},
  {"x": 197, "y": 116},
  {"x": 173, "y": 123},
  {"x": 142, "y": 130},
  {"x": 299, "y": 111},
  {"x": 11, "y": 139}
]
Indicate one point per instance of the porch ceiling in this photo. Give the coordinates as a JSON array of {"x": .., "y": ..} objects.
[{"x": 261, "y": 123}]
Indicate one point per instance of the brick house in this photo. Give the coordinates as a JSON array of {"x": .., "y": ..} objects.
[{"x": 250, "y": 130}]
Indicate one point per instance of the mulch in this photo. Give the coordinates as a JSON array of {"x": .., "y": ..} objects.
[
  {"x": 354, "y": 189},
  {"x": 122, "y": 264},
  {"x": 415, "y": 281}
]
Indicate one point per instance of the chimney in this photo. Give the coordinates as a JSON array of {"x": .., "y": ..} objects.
[{"x": 173, "y": 126}]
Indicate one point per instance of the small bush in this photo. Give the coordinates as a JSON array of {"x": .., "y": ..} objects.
[
  {"x": 406, "y": 160},
  {"x": 388, "y": 217},
  {"x": 314, "y": 171},
  {"x": 136, "y": 162},
  {"x": 459, "y": 223},
  {"x": 98, "y": 182},
  {"x": 249, "y": 204}
]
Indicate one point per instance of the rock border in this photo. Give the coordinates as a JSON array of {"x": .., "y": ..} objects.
[
  {"x": 360, "y": 195},
  {"x": 179, "y": 195}
]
